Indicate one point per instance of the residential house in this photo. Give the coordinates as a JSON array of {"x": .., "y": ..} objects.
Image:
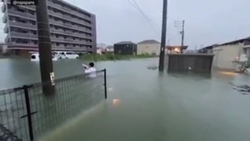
[
  {"x": 125, "y": 48},
  {"x": 246, "y": 48},
  {"x": 226, "y": 53},
  {"x": 148, "y": 47},
  {"x": 207, "y": 49}
]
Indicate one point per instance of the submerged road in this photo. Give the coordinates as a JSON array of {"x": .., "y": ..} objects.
[{"x": 146, "y": 105}]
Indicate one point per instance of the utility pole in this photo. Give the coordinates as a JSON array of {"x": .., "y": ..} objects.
[
  {"x": 163, "y": 35},
  {"x": 44, "y": 44},
  {"x": 182, "y": 33}
]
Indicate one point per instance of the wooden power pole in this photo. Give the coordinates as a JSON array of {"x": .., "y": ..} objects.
[
  {"x": 163, "y": 35},
  {"x": 44, "y": 44}
]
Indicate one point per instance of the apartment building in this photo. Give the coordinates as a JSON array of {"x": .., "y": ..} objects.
[{"x": 71, "y": 28}]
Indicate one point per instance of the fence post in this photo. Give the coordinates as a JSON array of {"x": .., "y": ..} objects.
[
  {"x": 29, "y": 113},
  {"x": 105, "y": 83}
]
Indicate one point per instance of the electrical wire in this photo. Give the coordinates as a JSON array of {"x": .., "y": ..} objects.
[{"x": 136, "y": 6}]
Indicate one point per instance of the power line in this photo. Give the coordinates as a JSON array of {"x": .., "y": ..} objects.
[{"x": 135, "y": 5}]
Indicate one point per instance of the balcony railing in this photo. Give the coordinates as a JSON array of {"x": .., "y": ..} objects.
[
  {"x": 68, "y": 32},
  {"x": 66, "y": 9},
  {"x": 69, "y": 26},
  {"x": 6, "y": 28},
  {"x": 25, "y": 15},
  {"x": 4, "y": 18},
  {"x": 3, "y": 8},
  {"x": 26, "y": 25},
  {"x": 69, "y": 39},
  {"x": 30, "y": 7},
  {"x": 24, "y": 35},
  {"x": 57, "y": 6}
]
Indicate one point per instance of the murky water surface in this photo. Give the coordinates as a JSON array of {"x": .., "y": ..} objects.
[{"x": 145, "y": 105}]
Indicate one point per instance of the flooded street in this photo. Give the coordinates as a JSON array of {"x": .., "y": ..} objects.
[{"x": 145, "y": 105}]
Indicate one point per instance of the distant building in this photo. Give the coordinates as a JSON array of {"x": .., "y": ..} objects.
[
  {"x": 125, "y": 48},
  {"x": 101, "y": 45},
  {"x": 3, "y": 48},
  {"x": 148, "y": 47},
  {"x": 207, "y": 49},
  {"x": 175, "y": 49},
  {"x": 71, "y": 28},
  {"x": 109, "y": 49},
  {"x": 99, "y": 50},
  {"x": 225, "y": 53}
]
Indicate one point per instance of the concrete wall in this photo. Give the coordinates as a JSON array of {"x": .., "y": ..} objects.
[
  {"x": 189, "y": 62},
  {"x": 223, "y": 56},
  {"x": 148, "y": 48}
]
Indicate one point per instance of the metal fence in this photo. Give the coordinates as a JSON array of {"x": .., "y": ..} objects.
[{"x": 27, "y": 114}]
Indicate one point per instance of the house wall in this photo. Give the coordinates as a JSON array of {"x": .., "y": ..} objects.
[
  {"x": 99, "y": 51},
  {"x": 224, "y": 55},
  {"x": 148, "y": 48},
  {"x": 246, "y": 50}
]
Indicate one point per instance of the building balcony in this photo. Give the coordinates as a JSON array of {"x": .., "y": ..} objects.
[
  {"x": 68, "y": 17},
  {"x": 58, "y": 23},
  {"x": 32, "y": 46},
  {"x": 24, "y": 35},
  {"x": 66, "y": 9},
  {"x": 51, "y": 4},
  {"x": 61, "y": 8},
  {"x": 67, "y": 24},
  {"x": 3, "y": 8},
  {"x": 30, "y": 7},
  {"x": 23, "y": 44},
  {"x": 5, "y": 18},
  {"x": 69, "y": 40},
  {"x": 6, "y": 40},
  {"x": 21, "y": 14},
  {"x": 6, "y": 29},
  {"x": 68, "y": 32},
  {"x": 22, "y": 25},
  {"x": 54, "y": 39},
  {"x": 58, "y": 15}
]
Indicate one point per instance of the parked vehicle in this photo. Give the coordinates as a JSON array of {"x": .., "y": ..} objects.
[
  {"x": 35, "y": 57},
  {"x": 66, "y": 55}
]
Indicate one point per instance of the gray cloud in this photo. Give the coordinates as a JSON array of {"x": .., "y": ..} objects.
[{"x": 207, "y": 22}]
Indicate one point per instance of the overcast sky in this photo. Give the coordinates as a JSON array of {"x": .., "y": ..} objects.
[{"x": 207, "y": 22}]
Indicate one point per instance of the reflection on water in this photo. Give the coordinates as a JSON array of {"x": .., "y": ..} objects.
[
  {"x": 159, "y": 106},
  {"x": 15, "y": 73},
  {"x": 229, "y": 73},
  {"x": 116, "y": 102}
]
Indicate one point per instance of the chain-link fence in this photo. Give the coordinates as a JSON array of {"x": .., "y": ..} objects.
[{"x": 26, "y": 113}]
